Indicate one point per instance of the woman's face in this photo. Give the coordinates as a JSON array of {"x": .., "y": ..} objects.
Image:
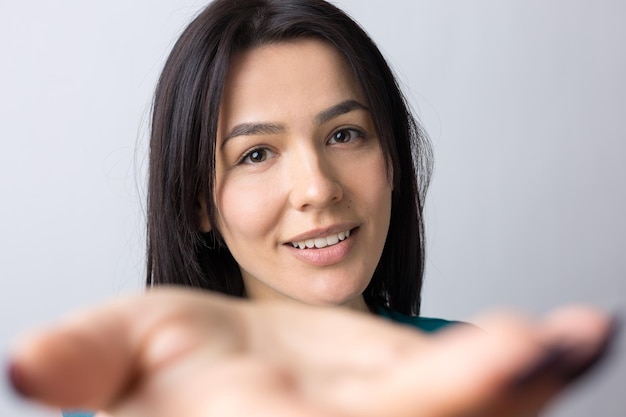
[{"x": 302, "y": 190}]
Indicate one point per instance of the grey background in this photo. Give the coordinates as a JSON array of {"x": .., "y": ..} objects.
[{"x": 524, "y": 102}]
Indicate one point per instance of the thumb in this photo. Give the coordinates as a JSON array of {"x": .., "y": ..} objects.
[
  {"x": 80, "y": 363},
  {"x": 92, "y": 358}
]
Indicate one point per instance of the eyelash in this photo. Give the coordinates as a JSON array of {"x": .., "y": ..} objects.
[
  {"x": 246, "y": 156},
  {"x": 355, "y": 134}
]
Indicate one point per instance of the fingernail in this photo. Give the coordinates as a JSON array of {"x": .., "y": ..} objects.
[
  {"x": 18, "y": 382},
  {"x": 549, "y": 363},
  {"x": 573, "y": 368},
  {"x": 569, "y": 362}
]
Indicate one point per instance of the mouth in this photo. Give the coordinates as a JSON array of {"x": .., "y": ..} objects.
[{"x": 322, "y": 241}]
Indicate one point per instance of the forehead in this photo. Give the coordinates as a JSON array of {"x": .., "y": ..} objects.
[{"x": 287, "y": 79}]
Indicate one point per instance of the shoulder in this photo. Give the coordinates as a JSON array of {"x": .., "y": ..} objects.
[{"x": 425, "y": 324}]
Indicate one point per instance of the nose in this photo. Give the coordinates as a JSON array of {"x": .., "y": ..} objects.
[{"x": 314, "y": 181}]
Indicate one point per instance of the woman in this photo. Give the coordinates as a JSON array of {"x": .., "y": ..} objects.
[
  {"x": 187, "y": 140},
  {"x": 284, "y": 167}
]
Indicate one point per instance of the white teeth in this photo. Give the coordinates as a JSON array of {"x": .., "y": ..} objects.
[{"x": 322, "y": 242}]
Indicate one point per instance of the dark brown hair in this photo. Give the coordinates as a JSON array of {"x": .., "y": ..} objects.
[{"x": 183, "y": 135}]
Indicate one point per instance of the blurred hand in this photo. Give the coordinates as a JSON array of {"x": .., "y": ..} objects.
[{"x": 174, "y": 352}]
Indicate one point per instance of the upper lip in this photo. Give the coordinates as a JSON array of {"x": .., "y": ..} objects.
[{"x": 321, "y": 232}]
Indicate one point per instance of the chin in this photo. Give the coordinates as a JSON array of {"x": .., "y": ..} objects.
[{"x": 349, "y": 299}]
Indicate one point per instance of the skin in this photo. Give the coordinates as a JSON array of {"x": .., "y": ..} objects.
[
  {"x": 312, "y": 166},
  {"x": 173, "y": 352},
  {"x": 180, "y": 352}
]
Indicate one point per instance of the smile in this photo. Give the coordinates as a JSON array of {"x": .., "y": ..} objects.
[{"x": 322, "y": 242}]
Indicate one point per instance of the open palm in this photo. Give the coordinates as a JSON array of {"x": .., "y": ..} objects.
[{"x": 189, "y": 353}]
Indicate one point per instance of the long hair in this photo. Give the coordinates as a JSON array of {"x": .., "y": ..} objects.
[{"x": 183, "y": 136}]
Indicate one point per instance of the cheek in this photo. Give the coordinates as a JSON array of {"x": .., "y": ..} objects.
[
  {"x": 246, "y": 208},
  {"x": 375, "y": 185}
]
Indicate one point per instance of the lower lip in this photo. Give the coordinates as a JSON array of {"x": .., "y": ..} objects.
[{"x": 325, "y": 256}]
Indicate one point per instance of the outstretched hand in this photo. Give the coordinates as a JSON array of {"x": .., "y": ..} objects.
[{"x": 175, "y": 352}]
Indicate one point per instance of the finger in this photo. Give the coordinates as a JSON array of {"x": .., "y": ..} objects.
[
  {"x": 88, "y": 361},
  {"x": 495, "y": 372},
  {"x": 512, "y": 368},
  {"x": 585, "y": 336},
  {"x": 572, "y": 341}
]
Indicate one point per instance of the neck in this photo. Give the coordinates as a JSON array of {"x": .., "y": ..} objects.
[{"x": 357, "y": 304}]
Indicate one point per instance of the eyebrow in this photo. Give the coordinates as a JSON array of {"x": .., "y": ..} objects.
[
  {"x": 338, "y": 109},
  {"x": 250, "y": 129}
]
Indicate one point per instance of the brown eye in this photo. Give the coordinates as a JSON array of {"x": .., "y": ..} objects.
[
  {"x": 255, "y": 156},
  {"x": 345, "y": 135}
]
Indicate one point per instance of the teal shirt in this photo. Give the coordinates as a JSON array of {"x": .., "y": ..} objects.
[{"x": 425, "y": 324}]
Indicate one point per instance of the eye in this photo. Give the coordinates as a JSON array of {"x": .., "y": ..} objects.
[
  {"x": 255, "y": 156},
  {"x": 345, "y": 136}
]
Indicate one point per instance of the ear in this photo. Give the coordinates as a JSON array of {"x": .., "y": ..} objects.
[{"x": 203, "y": 215}]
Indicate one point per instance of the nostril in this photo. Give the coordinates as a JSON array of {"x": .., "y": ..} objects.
[{"x": 316, "y": 191}]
